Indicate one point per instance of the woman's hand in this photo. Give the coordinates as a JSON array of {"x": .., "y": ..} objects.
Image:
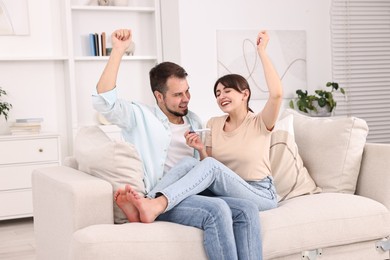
[{"x": 262, "y": 41}]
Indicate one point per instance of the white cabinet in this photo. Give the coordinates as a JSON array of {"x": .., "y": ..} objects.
[{"x": 19, "y": 156}]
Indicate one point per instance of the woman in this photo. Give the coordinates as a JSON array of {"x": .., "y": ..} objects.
[{"x": 235, "y": 157}]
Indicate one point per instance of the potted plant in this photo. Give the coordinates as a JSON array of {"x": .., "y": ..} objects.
[
  {"x": 4, "y": 106},
  {"x": 322, "y": 103}
]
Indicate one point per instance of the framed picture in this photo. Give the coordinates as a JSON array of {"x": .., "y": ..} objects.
[
  {"x": 14, "y": 18},
  {"x": 237, "y": 53}
]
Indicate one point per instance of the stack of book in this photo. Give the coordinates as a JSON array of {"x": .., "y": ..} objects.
[
  {"x": 97, "y": 44},
  {"x": 26, "y": 126}
]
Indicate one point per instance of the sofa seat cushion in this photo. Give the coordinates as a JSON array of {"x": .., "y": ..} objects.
[
  {"x": 159, "y": 240},
  {"x": 321, "y": 221}
]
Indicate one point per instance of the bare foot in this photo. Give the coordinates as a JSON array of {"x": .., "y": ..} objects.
[
  {"x": 126, "y": 205},
  {"x": 149, "y": 209}
]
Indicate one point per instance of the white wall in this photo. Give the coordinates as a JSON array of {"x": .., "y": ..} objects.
[
  {"x": 189, "y": 38},
  {"x": 35, "y": 86}
]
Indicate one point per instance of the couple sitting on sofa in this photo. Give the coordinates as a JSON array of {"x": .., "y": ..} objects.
[{"x": 241, "y": 177}]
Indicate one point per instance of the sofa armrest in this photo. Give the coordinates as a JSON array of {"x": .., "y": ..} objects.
[
  {"x": 65, "y": 200},
  {"x": 374, "y": 177}
]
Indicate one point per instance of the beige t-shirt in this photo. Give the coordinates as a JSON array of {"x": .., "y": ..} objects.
[{"x": 244, "y": 150}]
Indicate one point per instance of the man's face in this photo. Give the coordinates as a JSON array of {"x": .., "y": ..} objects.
[{"x": 176, "y": 99}]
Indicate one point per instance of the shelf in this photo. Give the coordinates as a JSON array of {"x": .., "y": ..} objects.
[
  {"x": 56, "y": 58},
  {"x": 113, "y": 8},
  {"x": 105, "y": 58}
]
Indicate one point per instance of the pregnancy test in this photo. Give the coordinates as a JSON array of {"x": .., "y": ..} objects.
[{"x": 200, "y": 130}]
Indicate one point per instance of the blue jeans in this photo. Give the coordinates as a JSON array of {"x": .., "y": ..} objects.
[
  {"x": 231, "y": 229},
  {"x": 231, "y": 226},
  {"x": 190, "y": 177}
]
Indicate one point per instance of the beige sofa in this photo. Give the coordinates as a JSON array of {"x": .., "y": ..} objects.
[{"x": 348, "y": 220}]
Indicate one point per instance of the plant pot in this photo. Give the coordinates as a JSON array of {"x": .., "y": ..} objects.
[{"x": 321, "y": 111}]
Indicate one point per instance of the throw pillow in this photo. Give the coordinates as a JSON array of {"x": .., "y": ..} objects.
[
  {"x": 114, "y": 161},
  {"x": 291, "y": 177},
  {"x": 331, "y": 149},
  {"x": 285, "y": 123}
]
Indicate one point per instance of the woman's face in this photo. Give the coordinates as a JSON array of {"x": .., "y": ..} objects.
[{"x": 229, "y": 99}]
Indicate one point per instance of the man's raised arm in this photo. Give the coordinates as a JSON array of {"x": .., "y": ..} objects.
[{"x": 120, "y": 42}]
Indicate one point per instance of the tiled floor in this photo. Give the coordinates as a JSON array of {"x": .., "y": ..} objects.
[{"x": 17, "y": 239}]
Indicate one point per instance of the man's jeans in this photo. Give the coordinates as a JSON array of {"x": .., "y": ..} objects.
[
  {"x": 231, "y": 226},
  {"x": 231, "y": 222},
  {"x": 190, "y": 177}
]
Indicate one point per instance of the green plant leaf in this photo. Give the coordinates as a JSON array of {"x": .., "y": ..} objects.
[
  {"x": 322, "y": 102},
  {"x": 291, "y": 104}
]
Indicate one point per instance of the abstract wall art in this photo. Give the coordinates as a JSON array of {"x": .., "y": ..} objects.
[
  {"x": 237, "y": 53},
  {"x": 14, "y": 18}
]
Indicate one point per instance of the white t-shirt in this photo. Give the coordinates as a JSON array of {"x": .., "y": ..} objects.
[{"x": 178, "y": 147}]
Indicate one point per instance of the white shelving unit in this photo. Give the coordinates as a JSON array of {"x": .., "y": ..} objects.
[
  {"x": 50, "y": 73},
  {"x": 84, "y": 70}
]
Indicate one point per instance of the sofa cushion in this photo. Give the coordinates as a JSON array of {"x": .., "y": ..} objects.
[
  {"x": 114, "y": 161},
  {"x": 320, "y": 221},
  {"x": 291, "y": 177},
  {"x": 331, "y": 149}
]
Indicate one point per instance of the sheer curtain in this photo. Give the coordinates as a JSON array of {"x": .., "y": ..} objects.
[{"x": 360, "y": 36}]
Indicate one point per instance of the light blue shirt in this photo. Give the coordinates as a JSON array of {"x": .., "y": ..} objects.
[{"x": 145, "y": 127}]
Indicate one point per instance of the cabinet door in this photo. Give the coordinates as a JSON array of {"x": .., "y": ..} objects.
[
  {"x": 29, "y": 150},
  {"x": 19, "y": 176},
  {"x": 15, "y": 204}
]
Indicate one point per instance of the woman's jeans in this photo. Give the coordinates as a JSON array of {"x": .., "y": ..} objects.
[{"x": 190, "y": 177}]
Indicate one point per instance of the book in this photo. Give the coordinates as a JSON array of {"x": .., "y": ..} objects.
[
  {"x": 22, "y": 129},
  {"x": 96, "y": 38},
  {"x": 26, "y": 124},
  {"x": 29, "y": 120},
  {"x": 25, "y": 128},
  {"x": 92, "y": 44},
  {"x": 103, "y": 41},
  {"x": 24, "y": 132},
  {"x": 100, "y": 45}
]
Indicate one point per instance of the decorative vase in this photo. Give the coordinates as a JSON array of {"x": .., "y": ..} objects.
[
  {"x": 104, "y": 2},
  {"x": 120, "y": 2},
  {"x": 130, "y": 51}
]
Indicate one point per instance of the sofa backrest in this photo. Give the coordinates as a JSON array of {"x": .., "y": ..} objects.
[{"x": 331, "y": 149}]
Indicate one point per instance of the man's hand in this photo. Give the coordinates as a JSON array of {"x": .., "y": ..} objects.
[{"x": 121, "y": 40}]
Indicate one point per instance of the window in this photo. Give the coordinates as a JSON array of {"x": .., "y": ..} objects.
[{"x": 360, "y": 36}]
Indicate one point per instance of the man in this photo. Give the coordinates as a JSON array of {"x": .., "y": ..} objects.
[{"x": 158, "y": 134}]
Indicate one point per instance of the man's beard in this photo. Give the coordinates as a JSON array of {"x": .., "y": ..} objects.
[{"x": 177, "y": 113}]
